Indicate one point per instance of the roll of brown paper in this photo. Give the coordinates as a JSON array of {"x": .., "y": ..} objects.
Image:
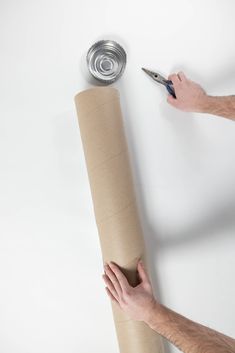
[{"x": 119, "y": 228}]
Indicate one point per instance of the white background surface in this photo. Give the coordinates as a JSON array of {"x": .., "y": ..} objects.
[{"x": 52, "y": 297}]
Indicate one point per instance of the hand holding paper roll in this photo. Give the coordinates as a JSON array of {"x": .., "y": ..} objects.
[{"x": 138, "y": 302}]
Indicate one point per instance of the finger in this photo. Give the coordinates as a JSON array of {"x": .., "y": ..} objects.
[
  {"x": 142, "y": 273},
  {"x": 171, "y": 100},
  {"x": 182, "y": 76},
  {"x": 170, "y": 76},
  {"x": 111, "y": 295},
  {"x": 120, "y": 276},
  {"x": 175, "y": 79},
  {"x": 110, "y": 286},
  {"x": 113, "y": 279}
]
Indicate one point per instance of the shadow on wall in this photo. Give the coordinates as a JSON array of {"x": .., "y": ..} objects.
[{"x": 220, "y": 217}]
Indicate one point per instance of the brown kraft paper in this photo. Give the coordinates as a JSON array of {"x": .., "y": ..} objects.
[{"x": 106, "y": 154}]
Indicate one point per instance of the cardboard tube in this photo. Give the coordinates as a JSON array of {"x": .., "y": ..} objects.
[{"x": 119, "y": 228}]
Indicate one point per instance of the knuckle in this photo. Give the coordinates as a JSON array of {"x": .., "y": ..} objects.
[
  {"x": 122, "y": 302},
  {"x": 148, "y": 286},
  {"x": 118, "y": 276},
  {"x": 127, "y": 292}
]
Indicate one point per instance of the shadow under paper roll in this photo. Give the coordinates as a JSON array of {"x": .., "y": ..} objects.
[{"x": 120, "y": 232}]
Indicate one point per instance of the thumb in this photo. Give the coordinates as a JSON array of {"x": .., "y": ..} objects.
[
  {"x": 142, "y": 273},
  {"x": 171, "y": 100}
]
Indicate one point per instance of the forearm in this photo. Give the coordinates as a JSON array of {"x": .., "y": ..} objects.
[
  {"x": 188, "y": 336},
  {"x": 222, "y": 106}
]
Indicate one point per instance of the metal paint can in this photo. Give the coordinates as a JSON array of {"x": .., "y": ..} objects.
[{"x": 106, "y": 61}]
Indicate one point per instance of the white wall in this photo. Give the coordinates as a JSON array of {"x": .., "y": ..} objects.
[{"x": 52, "y": 297}]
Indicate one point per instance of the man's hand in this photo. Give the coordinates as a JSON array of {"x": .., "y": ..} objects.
[
  {"x": 138, "y": 302},
  {"x": 190, "y": 96}
]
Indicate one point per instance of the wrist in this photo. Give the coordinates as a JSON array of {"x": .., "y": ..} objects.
[
  {"x": 156, "y": 316},
  {"x": 204, "y": 103}
]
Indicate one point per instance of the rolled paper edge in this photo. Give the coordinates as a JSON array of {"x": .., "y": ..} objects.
[{"x": 83, "y": 97}]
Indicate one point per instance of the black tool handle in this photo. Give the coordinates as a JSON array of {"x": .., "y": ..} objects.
[{"x": 170, "y": 88}]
